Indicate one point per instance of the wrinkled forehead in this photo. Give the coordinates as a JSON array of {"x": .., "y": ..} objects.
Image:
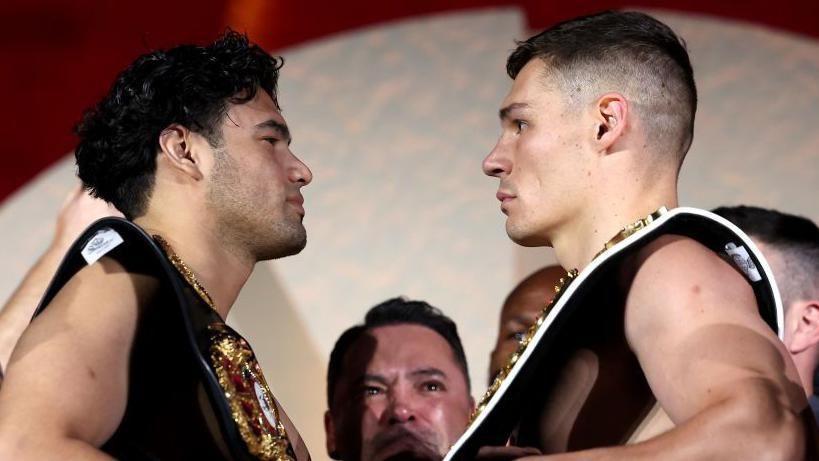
[
  {"x": 398, "y": 349},
  {"x": 411, "y": 343}
]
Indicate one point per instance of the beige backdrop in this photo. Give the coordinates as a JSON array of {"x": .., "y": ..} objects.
[{"x": 394, "y": 121}]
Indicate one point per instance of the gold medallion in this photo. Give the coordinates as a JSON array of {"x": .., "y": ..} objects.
[{"x": 251, "y": 403}]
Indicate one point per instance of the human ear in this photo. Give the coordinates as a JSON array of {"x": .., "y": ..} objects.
[
  {"x": 176, "y": 147},
  {"x": 806, "y": 330},
  {"x": 330, "y": 435},
  {"x": 611, "y": 115}
]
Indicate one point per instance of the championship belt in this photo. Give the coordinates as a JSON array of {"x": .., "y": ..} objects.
[
  {"x": 529, "y": 371},
  {"x": 193, "y": 380}
]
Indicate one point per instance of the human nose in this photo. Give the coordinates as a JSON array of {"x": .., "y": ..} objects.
[
  {"x": 496, "y": 163},
  {"x": 401, "y": 408},
  {"x": 300, "y": 173}
]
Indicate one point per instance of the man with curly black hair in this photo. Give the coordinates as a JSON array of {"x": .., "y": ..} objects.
[{"x": 128, "y": 354}]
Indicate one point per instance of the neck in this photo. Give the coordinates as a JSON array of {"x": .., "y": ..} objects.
[
  {"x": 585, "y": 235},
  {"x": 220, "y": 268},
  {"x": 805, "y": 365}
]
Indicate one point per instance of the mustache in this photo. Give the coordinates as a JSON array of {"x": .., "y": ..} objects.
[{"x": 420, "y": 444}]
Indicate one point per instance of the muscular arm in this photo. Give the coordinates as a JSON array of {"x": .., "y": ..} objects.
[
  {"x": 66, "y": 385},
  {"x": 716, "y": 368},
  {"x": 77, "y": 212}
]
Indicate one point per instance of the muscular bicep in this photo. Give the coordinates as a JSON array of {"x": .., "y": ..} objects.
[
  {"x": 68, "y": 375},
  {"x": 693, "y": 322}
]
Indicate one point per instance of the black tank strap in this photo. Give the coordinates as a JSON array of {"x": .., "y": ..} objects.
[{"x": 139, "y": 253}]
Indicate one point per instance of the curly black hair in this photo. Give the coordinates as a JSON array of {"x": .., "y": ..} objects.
[{"x": 189, "y": 85}]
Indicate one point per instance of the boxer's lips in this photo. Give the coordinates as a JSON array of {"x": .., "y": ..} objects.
[
  {"x": 297, "y": 202},
  {"x": 505, "y": 198}
]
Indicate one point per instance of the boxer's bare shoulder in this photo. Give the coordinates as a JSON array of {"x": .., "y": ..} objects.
[
  {"x": 692, "y": 320},
  {"x": 68, "y": 374}
]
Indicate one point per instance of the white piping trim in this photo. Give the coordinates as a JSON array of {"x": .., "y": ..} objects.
[{"x": 581, "y": 277}]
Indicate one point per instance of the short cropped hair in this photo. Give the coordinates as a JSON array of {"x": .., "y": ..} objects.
[
  {"x": 627, "y": 52},
  {"x": 794, "y": 238},
  {"x": 189, "y": 85},
  {"x": 395, "y": 311}
]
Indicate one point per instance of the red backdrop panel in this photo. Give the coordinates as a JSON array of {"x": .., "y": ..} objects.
[{"x": 59, "y": 56}]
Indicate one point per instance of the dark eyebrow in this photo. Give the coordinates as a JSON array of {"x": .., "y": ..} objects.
[
  {"x": 504, "y": 113},
  {"x": 428, "y": 372},
  {"x": 280, "y": 127},
  {"x": 377, "y": 378}
]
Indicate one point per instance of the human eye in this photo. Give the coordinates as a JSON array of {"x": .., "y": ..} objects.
[
  {"x": 516, "y": 335},
  {"x": 519, "y": 125},
  {"x": 433, "y": 386},
  {"x": 270, "y": 140},
  {"x": 371, "y": 391}
]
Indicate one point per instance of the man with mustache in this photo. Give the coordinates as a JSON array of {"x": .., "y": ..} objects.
[{"x": 397, "y": 386}]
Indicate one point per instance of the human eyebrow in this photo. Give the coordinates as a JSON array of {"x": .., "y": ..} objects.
[
  {"x": 504, "y": 112},
  {"x": 373, "y": 378},
  {"x": 428, "y": 372},
  {"x": 276, "y": 126}
]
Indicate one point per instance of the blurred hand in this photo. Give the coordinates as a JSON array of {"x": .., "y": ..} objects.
[
  {"x": 505, "y": 453},
  {"x": 78, "y": 211}
]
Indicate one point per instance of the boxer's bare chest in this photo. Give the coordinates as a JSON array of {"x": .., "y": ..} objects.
[{"x": 594, "y": 394}]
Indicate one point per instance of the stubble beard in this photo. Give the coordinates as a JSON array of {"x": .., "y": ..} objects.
[
  {"x": 256, "y": 230},
  {"x": 288, "y": 239}
]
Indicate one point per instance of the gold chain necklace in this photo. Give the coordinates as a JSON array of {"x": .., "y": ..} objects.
[
  {"x": 234, "y": 353},
  {"x": 185, "y": 271},
  {"x": 559, "y": 289}
]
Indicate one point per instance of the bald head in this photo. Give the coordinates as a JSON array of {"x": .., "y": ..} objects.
[{"x": 520, "y": 310}]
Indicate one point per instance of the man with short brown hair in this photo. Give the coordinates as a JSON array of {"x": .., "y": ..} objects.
[{"x": 595, "y": 128}]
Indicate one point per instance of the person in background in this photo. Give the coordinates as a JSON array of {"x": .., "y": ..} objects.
[
  {"x": 790, "y": 243},
  {"x": 520, "y": 310},
  {"x": 397, "y": 385}
]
